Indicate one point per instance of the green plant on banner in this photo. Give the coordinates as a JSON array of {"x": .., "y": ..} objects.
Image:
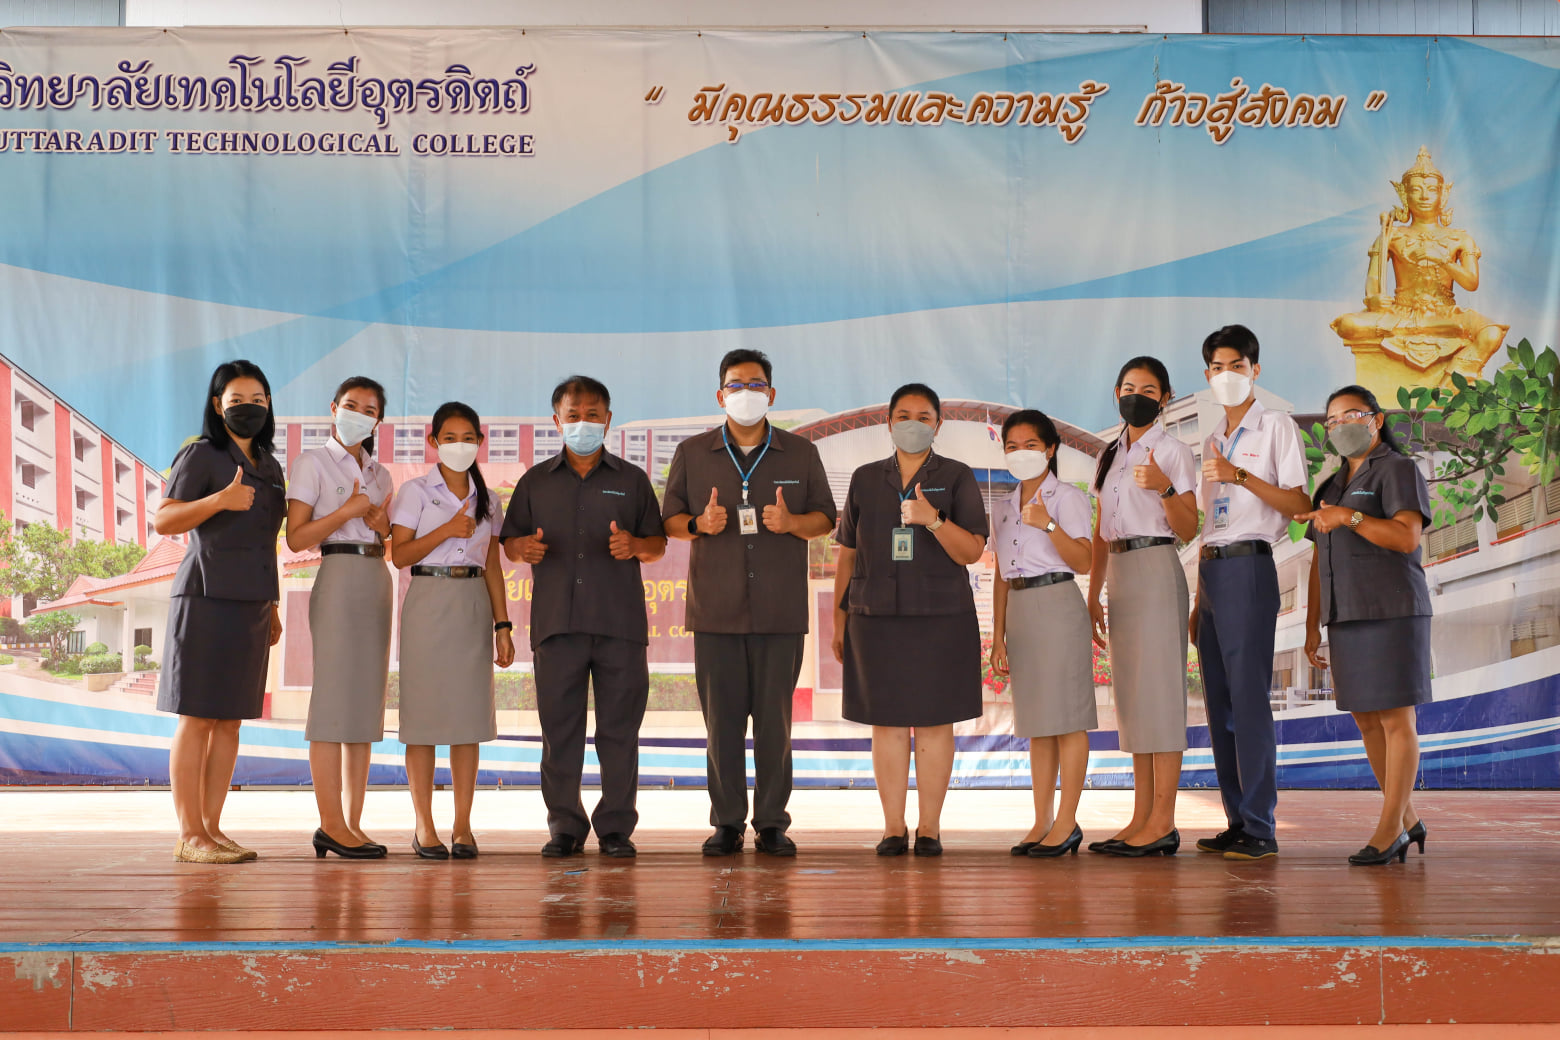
[{"x": 1477, "y": 427}]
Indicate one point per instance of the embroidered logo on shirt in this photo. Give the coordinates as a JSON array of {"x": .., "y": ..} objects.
[
  {"x": 609, "y": 491},
  {"x": 785, "y": 481},
  {"x": 1361, "y": 491},
  {"x": 925, "y": 490}
]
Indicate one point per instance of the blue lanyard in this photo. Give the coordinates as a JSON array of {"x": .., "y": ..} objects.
[
  {"x": 1233, "y": 445},
  {"x": 747, "y": 474}
]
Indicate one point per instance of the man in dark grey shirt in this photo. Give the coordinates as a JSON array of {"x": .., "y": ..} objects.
[
  {"x": 585, "y": 520},
  {"x": 749, "y": 497}
]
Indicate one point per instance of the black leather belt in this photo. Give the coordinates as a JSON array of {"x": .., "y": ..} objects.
[
  {"x": 446, "y": 572},
  {"x": 1251, "y": 548},
  {"x": 351, "y": 549},
  {"x": 1129, "y": 544},
  {"x": 1039, "y": 580}
]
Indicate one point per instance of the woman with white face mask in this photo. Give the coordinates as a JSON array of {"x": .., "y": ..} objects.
[
  {"x": 1368, "y": 587},
  {"x": 454, "y": 622},
  {"x": 904, "y": 624},
  {"x": 1040, "y": 626},
  {"x": 337, "y": 499}
]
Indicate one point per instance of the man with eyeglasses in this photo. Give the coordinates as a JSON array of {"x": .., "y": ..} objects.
[{"x": 750, "y": 497}]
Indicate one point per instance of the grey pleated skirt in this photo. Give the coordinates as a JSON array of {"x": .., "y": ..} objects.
[
  {"x": 447, "y": 662},
  {"x": 1148, "y": 611},
  {"x": 216, "y": 658},
  {"x": 1050, "y": 660},
  {"x": 911, "y": 670},
  {"x": 349, "y": 625},
  {"x": 1377, "y": 665}
]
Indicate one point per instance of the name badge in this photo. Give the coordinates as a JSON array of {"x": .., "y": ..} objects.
[
  {"x": 1221, "y": 513},
  {"x": 747, "y": 519},
  {"x": 904, "y": 544}
]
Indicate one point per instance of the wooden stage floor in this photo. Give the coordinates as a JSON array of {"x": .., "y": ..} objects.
[{"x": 104, "y": 931}]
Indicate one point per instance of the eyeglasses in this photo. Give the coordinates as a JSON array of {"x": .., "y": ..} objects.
[
  {"x": 1347, "y": 417},
  {"x": 758, "y": 385}
]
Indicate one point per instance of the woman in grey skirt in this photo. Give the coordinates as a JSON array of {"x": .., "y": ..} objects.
[
  {"x": 1368, "y": 587},
  {"x": 1146, "y": 484},
  {"x": 338, "y": 498},
  {"x": 225, "y": 491},
  {"x": 454, "y": 622},
  {"x": 1040, "y": 627}
]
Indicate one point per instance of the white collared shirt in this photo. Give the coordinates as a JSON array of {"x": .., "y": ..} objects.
[
  {"x": 1024, "y": 551},
  {"x": 322, "y": 479},
  {"x": 1128, "y": 511},
  {"x": 426, "y": 502},
  {"x": 1266, "y": 444}
]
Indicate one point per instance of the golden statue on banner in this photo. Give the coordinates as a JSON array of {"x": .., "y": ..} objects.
[{"x": 1418, "y": 336}]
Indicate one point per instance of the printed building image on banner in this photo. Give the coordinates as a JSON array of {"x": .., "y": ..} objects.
[{"x": 474, "y": 215}]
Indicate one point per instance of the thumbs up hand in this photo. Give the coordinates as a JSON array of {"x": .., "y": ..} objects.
[
  {"x": 1216, "y": 468},
  {"x": 1035, "y": 514},
  {"x": 237, "y": 496},
  {"x": 778, "y": 518},
  {"x": 1148, "y": 474},
  {"x": 462, "y": 524},
  {"x": 620, "y": 544},
  {"x": 713, "y": 519},
  {"x": 532, "y": 548},
  {"x": 357, "y": 503},
  {"x": 917, "y": 510}
]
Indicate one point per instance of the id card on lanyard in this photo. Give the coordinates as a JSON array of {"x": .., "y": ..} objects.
[
  {"x": 747, "y": 514},
  {"x": 902, "y": 542},
  {"x": 1221, "y": 505}
]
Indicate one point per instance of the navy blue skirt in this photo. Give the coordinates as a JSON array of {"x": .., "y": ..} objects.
[
  {"x": 912, "y": 670},
  {"x": 1377, "y": 665},
  {"x": 215, "y": 661}
]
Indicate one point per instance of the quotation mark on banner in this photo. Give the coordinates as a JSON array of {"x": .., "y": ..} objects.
[
  {"x": 1376, "y": 100},
  {"x": 654, "y": 96}
]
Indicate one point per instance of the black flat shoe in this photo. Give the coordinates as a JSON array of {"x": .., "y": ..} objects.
[
  {"x": 1022, "y": 848},
  {"x": 1169, "y": 845},
  {"x": 1040, "y": 851},
  {"x": 430, "y": 851},
  {"x": 617, "y": 846},
  {"x": 772, "y": 841},
  {"x": 894, "y": 845},
  {"x": 463, "y": 850},
  {"x": 1104, "y": 846},
  {"x": 1416, "y": 835},
  {"x": 324, "y": 843},
  {"x": 927, "y": 846},
  {"x": 1370, "y": 856},
  {"x": 726, "y": 841},
  {"x": 562, "y": 846}
]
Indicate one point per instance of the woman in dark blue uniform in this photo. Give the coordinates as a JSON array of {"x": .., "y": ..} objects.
[{"x": 226, "y": 491}]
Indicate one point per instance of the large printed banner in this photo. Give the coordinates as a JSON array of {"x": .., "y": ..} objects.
[{"x": 475, "y": 214}]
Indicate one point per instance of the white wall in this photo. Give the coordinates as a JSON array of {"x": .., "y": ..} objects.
[{"x": 1171, "y": 16}]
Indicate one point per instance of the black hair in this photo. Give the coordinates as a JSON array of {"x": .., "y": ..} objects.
[
  {"x": 916, "y": 390},
  {"x": 1157, "y": 369},
  {"x": 451, "y": 410},
  {"x": 1042, "y": 424},
  {"x": 743, "y": 356},
  {"x": 1387, "y": 436},
  {"x": 581, "y": 386},
  {"x": 1232, "y": 337},
  {"x": 213, "y": 429},
  {"x": 362, "y": 383}
]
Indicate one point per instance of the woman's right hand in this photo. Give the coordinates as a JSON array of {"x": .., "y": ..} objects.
[
  {"x": 1099, "y": 631},
  {"x": 1313, "y": 646},
  {"x": 357, "y": 504},
  {"x": 461, "y": 525},
  {"x": 837, "y": 644},
  {"x": 999, "y": 657},
  {"x": 237, "y": 496}
]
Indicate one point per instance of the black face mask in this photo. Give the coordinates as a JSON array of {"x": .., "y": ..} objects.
[
  {"x": 1137, "y": 410},
  {"x": 246, "y": 420}
]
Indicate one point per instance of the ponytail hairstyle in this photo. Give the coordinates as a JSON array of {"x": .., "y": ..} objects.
[
  {"x": 1387, "y": 436},
  {"x": 1043, "y": 426},
  {"x": 452, "y": 410},
  {"x": 365, "y": 383},
  {"x": 1154, "y": 367}
]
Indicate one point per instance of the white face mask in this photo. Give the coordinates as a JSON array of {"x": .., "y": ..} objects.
[
  {"x": 353, "y": 427},
  {"x": 746, "y": 407},
  {"x": 457, "y": 455},
  {"x": 1026, "y": 465},
  {"x": 1230, "y": 388}
]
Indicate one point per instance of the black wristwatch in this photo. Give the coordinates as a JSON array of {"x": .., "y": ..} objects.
[
  {"x": 1168, "y": 492},
  {"x": 499, "y": 626},
  {"x": 693, "y": 526}
]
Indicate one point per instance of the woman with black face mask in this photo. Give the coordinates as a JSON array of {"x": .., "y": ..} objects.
[
  {"x": 1146, "y": 484},
  {"x": 226, "y": 492},
  {"x": 1368, "y": 587}
]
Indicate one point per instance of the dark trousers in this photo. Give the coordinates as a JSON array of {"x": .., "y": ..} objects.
[
  {"x": 619, "y": 676},
  {"x": 743, "y": 676},
  {"x": 1235, "y": 625}
]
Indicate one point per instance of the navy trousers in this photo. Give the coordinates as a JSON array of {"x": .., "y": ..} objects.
[{"x": 1237, "y": 615}]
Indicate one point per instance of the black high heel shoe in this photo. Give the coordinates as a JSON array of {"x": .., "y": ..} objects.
[
  {"x": 324, "y": 843},
  {"x": 1416, "y": 835},
  {"x": 1022, "y": 848},
  {"x": 1370, "y": 856},
  {"x": 894, "y": 845},
  {"x": 1073, "y": 840},
  {"x": 1103, "y": 845},
  {"x": 430, "y": 851},
  {"x": 1169, "y": 845}
]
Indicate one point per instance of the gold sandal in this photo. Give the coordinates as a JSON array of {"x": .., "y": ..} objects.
[
  {"x": 184, "y": 852},
  {"x": 244, "y": 854}
]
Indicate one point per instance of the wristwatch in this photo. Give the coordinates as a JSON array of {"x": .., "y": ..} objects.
[
  {"x": 942, "y": 518},
  {"x": 499, "y": 626},
  {"x": 693, "y": 526},
  {"x": 1168, "y": 492},
  {"x": 1354, "y": 521},
  {"x": 1240, "y": 477},
  {"x": 1050, "y": 525}
]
